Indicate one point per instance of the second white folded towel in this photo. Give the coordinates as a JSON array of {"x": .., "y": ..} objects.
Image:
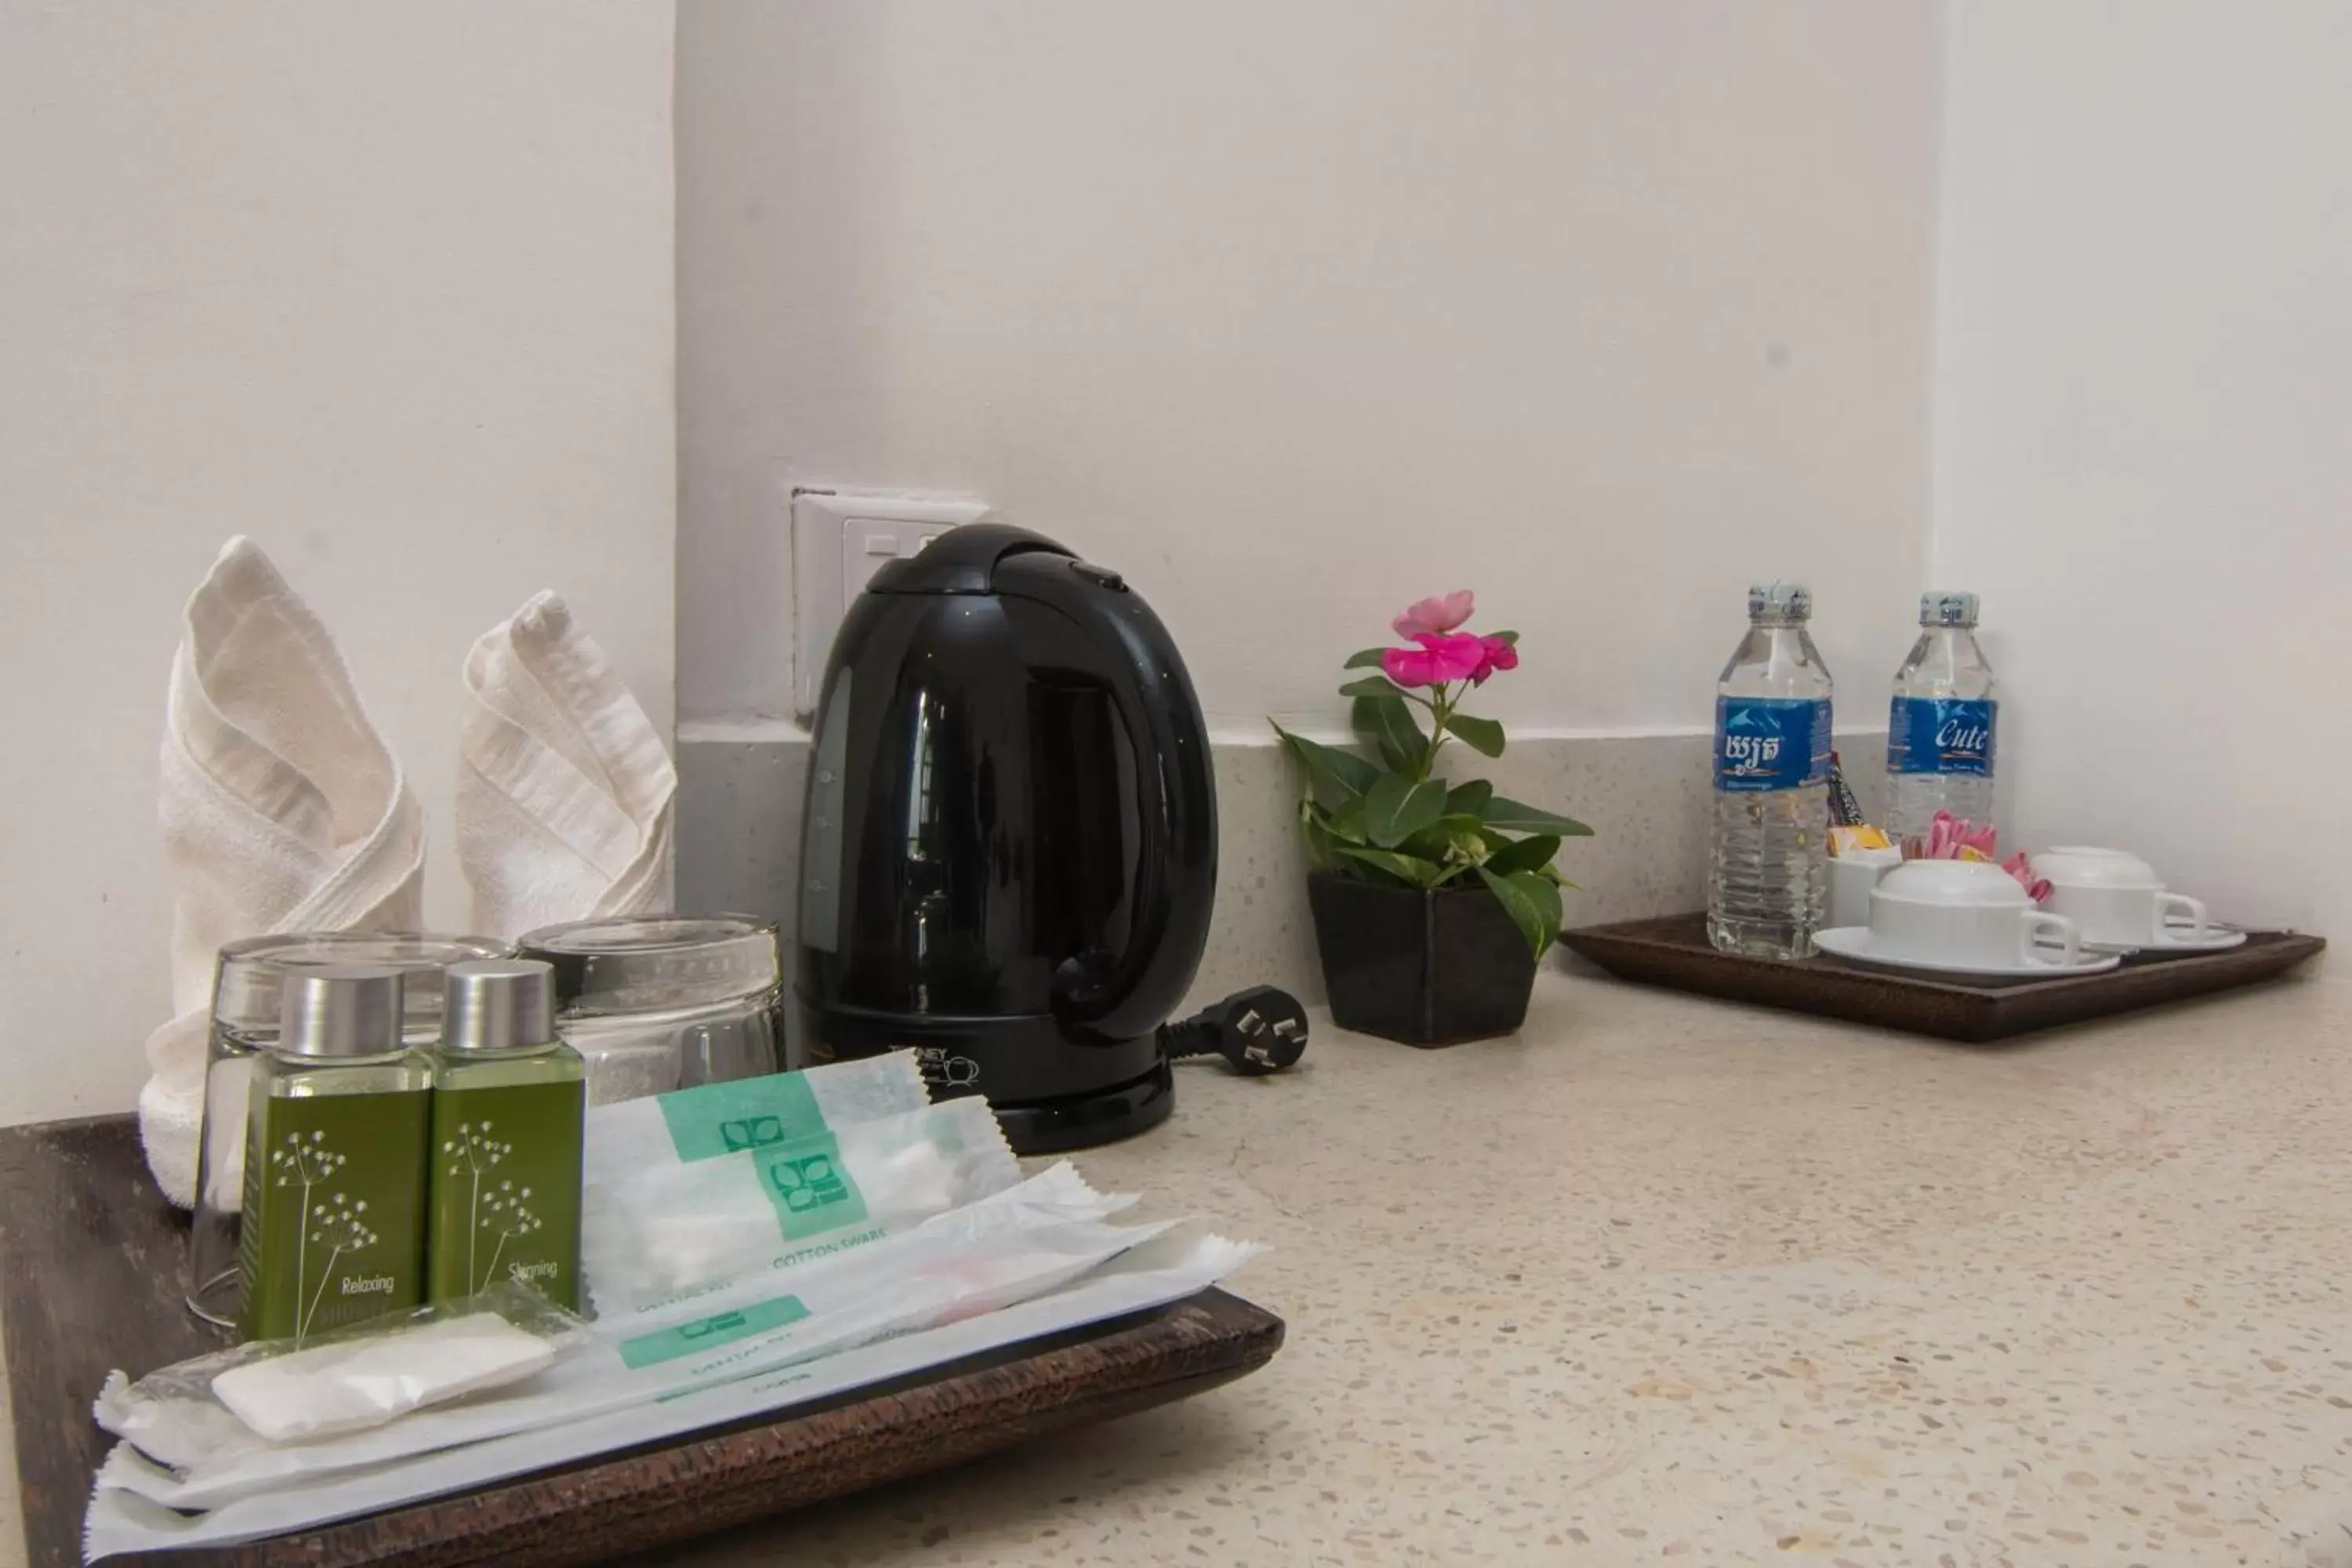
[{"x": 565, "y": 792}]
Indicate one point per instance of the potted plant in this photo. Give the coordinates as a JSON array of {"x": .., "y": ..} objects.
[{"x": 1432, "y": 900}]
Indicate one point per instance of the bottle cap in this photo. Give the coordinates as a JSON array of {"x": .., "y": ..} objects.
[
  {"x": 1948, "y": 608},
  {"x": 497, "y": 1004},
  {"x": 1779, "y": 601},
  {"x": 339, "y": 1010}
]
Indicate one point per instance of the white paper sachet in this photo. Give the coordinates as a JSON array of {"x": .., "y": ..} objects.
[
  {"x": 1054, "y": 1195},
  {"x": 671, "y": 1227},
  {"x": 858, "y": 1299},
  {"x": 1153, "y": 1275},
  {"x": 715, "y": 1119}
]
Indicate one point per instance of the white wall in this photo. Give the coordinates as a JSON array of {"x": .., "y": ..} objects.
[
  {"x": 2144, "y": 427},
  {"x": 1296, "y": 313},
  {"x": 388, "y": 287}
]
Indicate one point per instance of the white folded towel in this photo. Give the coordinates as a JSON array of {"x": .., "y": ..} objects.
[
  {"x": 282, "y": 810},
  {"x": 565, "y": 791}
]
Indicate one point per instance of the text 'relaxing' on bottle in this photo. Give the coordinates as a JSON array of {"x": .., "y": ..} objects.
[
  {"x": 1940, "y": 729},
  {"x": 1765, "y": 874}
]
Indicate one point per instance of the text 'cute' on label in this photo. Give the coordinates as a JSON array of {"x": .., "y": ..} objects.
[{"x": 1941, "y": 735}]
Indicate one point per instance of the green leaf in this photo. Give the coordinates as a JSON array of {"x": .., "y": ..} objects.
[
  {"x": 1404, "y": 867},
  {"x": 1369, "y": 686},
  {"x": 1446, "y": 839},
  {"x": 1511, "y": 638},
  {"x": 1332, "y": 775},
  {"x": 1346, "y": 824},
  {"x": 1395, "y": 808},
  {"x": 1362, "y": 659},
  {"x": 1546, "y": 896},
  {"x": 1469, "y": 799},
  {"x": 1321, "y": 853},
  {"x": 1510, "y": 814},
  {"x": 1532, "y": 903},
  {"x": 1526, "y": 854},
  {"x": 1481, "y": 735},
  {"x": 1389, "y": 724}
]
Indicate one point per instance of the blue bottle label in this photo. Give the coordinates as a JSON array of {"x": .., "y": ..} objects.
[
  {"x": 1941, "y": 735},
  {"x": 1770, "y": 742}
]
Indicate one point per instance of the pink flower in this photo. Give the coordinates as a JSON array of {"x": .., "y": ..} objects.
[
  {"x": 1495, "y": 654},
  {"x": 1437, "y": 613},
  {"x": 2036, "y": 887},
  {"x": 1438, "y": 659},
  {"x": 1950, "y": 838}
]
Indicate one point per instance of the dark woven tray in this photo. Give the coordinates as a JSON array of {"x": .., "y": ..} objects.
[
  {"x": 1672, "y": 952},
  {"x": 91, "y": 1276}
]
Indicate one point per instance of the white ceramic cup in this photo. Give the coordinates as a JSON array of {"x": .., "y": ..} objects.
[
  {"x": 1965, "y": 912},
  {"x": 2117, "y": 898},
  {"x": 1853, "y": 875}
]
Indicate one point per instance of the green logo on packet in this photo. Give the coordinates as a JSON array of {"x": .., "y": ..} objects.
[
  {"x": 709, "y": 1333},
  {"x": 715, "y": 1119},
  {"x": 807, "y": 1184},
  {"x": 752, "y": 1132},
  {"x": 811, "y": 1192}
]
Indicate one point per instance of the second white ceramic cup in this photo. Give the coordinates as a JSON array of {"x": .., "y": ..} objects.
[{"x": 2117, "y": 898}]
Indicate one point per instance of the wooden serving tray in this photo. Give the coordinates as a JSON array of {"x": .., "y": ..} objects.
[
  {"x": 91, "y": 1270},
  {"x": 1672, "y": 952}
]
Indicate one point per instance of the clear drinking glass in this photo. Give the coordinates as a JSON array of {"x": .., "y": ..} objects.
[
  {"x": 246, "y": 979},
  {"x": 656, "y": 1002}
]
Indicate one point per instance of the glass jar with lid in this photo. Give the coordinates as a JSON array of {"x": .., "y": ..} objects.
[
  {"x": 656, "y": 1002},
  {"x": 248, "y": 979}
]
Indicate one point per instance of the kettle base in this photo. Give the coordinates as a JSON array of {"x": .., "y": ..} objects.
[{"x": 1083, "y": 1121}]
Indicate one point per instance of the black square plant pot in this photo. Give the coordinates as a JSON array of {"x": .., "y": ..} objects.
[{"x": 1428, "y": 967}]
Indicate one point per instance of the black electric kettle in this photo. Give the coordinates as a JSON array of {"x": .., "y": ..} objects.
[{"x": 1009, "y": 846}]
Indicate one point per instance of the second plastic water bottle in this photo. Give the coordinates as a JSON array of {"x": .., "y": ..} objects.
[
  {"x": 1767, "y": 874},
  {"x": 1939, "y": 732}
]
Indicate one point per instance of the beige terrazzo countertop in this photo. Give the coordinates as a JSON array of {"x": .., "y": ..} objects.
[{"x": 1667, "y": 1281}]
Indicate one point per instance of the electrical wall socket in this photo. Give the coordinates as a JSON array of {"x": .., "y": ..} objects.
[{"x": 841, "y": 538}]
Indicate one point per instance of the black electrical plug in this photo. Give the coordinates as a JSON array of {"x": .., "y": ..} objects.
[{"x": 1260, "y": 1030}]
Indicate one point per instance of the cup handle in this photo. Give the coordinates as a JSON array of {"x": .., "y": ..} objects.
[
  {"x": 2033, "y": 923},
  {"x": 2193, "y": 908}
]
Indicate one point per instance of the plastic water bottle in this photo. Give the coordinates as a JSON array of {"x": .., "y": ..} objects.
[
  {"x": 1939, "y": 732},
  {"x": 1766, "y": 878}
]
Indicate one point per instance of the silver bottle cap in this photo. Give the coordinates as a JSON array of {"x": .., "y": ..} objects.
[
  {"x": 1948, "y": 608},
  {"x": 1779, "y": 601},
  {"x": 339, "y": 1010},
  {"x": 497, "y": 1004}
]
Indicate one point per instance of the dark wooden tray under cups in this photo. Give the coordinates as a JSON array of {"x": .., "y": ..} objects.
[
  {"x": 91, "y": 1276},
  {"x": 1672, "y": 952}
]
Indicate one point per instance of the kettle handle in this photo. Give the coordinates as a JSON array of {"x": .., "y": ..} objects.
[{"x": 1176, "y": 802}]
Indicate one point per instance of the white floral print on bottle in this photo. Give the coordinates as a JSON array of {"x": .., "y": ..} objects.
[
  {"x": 338, "y": 1222},
  {"x": 500, "y": 1210}
]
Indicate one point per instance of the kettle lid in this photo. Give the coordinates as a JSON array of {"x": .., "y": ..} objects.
[{"x": 961, "y": 561}]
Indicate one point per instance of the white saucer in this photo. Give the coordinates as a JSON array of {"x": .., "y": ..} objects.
[
  {"x": 2218, "y": 942},
  {"x": 1853, "y": 943}
]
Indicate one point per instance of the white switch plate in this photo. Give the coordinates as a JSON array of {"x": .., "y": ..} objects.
[{"x": 840, "y": 538}]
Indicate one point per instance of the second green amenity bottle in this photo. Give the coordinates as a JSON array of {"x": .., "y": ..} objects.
[{"x": 507, "y": 1103}]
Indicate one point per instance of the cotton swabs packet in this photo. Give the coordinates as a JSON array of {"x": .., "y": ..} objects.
[{"x": 654, "y": 1230}]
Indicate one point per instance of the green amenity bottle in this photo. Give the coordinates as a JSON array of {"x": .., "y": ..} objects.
[
  {"x": 333, "y": 1228},
  {"x": 508, "y": 1099}
]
